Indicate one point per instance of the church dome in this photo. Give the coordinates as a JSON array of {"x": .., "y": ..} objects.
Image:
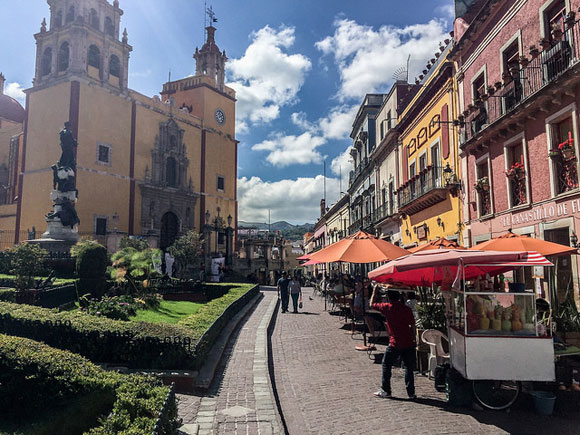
[{"x": 11, "y": 109}]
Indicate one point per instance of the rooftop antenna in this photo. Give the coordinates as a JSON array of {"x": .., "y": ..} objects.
[{"x": 408, "y": 60}]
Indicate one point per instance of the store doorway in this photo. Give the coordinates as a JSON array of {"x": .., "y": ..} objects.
[{"x": 560, "y": 276}]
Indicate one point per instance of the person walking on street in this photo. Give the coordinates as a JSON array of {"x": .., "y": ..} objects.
[
  {"x": 282, "y": 287},
  {"x": 295, "y": 293},
  {"x": 401, "y": 326}
]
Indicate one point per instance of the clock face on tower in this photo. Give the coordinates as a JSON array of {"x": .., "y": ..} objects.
[{"x": 220, "y": 116}]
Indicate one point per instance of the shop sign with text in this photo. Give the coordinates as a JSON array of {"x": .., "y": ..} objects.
[{"x": 541, "y": 213}]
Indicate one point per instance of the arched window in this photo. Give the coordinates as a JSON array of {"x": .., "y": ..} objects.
[
  {"x": 94, "y": 19},
  {"x": 70, "y": 15},
  {"x": 172, "y": 141},
  {"x": 114, "y": 66},
  {"x": 46, "y": 67},
  {"x": 171, "y": 172},
  {"x": 109, "y": 27},
  {"x": 58, "y": 19},
  {"x": 94, "y": 56},
  {"x": 63, "y": 57}
]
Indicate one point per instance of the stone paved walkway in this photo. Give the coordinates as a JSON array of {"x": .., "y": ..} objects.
[
  {"x": 325, "y": 387},
  {"x": 239, "y": 400}
]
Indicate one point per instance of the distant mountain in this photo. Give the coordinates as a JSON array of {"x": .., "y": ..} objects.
[{"x": 291, "y": 232}]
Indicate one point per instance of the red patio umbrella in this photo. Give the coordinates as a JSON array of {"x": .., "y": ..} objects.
[{"x": 441, "y": 266}]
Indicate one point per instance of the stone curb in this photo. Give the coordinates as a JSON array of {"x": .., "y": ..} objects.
[{"x": 207, "y": 372}]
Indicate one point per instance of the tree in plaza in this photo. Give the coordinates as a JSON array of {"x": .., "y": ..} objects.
[
  {"x": 27, "y": 261},
  {"x": 186, "y": 251},
  {"x": 135, "y": 243}
]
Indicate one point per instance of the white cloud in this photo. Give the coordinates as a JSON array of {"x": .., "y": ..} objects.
[
  {"x": 289, "y": 150},
  {"x": 16, "y": 91},
  {"x": 267, "y": 78},
  {"x": 447, "y": 11},
  {"x": 296, "y": 201},
  {"x": 338, "y": 123},
  {"x": 367, "y": 58},
  {"x": 342, "y": 164}
]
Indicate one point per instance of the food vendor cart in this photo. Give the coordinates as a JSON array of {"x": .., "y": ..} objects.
[{"x": 495, "y": 337}]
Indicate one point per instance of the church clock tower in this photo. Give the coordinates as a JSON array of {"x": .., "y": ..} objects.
[{"x": 82, "y": 40}]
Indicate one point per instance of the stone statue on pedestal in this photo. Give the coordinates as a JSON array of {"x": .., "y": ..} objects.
[{"x": 62, "y": 220}]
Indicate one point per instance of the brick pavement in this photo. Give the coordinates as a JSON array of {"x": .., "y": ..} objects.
[
  {"x": 239, "y": 400},
  {"x": 325, "y": 387}
]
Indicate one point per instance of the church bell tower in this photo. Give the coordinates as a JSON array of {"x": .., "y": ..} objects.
[
  {"x": 210, "y": 61},
  {"x": 82, "y": 40}
]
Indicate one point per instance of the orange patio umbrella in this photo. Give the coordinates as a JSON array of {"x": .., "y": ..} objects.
[
  {"x": 441, "y": 243},
  {"x": 514, "y": 242},
  {"x": 359, "y": 248}
]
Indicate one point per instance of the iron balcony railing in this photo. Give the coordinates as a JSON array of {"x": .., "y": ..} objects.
[
  {"x": 426, "y": 181},
  {"x": 383, "y": 211},
  {"x": 536, "y": 71},
  {"x": 358, "y": 170}
]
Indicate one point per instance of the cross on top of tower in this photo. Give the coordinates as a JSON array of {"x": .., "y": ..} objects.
[{"x": 211, "y": 15}]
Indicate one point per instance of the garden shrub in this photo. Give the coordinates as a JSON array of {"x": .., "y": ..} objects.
[
  {"x": 26, "y": 263},
  {"x": 135, "y": 344},
  {"x": 134, "y": 268},
  {"x": 91, "y": 266},
  {"x": 8, "y": 295},
  {"x": 5, "y": 261},
  {"x": 115, "y": 307},
  {"x": 34, "y": 376},
  {"x": 133, "y": 242},
  {"x": 186, "y": 251}
]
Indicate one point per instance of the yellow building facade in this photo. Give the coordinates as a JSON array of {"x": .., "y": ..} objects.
[
  {"x": 153, "y": 167},
  {"x": 429, "y": 193}
]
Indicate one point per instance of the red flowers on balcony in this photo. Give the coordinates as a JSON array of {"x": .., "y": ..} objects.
[{"x": 516, "y": 170}]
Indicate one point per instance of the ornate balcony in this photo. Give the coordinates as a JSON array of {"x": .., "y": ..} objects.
[
  {"x": 536, "y": 72},
  {"x": 422, "y": 191}
]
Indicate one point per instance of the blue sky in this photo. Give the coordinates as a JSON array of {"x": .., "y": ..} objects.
[{"x": 300, "y": 68}]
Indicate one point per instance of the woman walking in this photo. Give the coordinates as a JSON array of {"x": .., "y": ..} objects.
[{"x": 295, "y": 293}]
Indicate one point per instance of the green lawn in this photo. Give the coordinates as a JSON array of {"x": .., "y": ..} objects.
[{"x": 168, "y": 312}]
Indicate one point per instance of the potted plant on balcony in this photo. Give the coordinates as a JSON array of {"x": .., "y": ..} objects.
[
  {"x": 553, "y": 154},
  {"x": 516, "y": 171},
  {"x": 545, "y": 43},
  {"x": 482, "y": 184},
  {"x": 534, "y": 52},
  {"x": 556, "y": 32},
  {"x": 567, "y": 148}
]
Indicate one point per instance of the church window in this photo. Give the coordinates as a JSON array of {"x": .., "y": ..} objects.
[
  {"x": 94, "y": 19},
  {"x": 171, "y": 172},
  {"x": 46, "y": 62},
  {"x": 104, "y": 154},
  {"x": 109, "y": 27},
  {"x": 204, "y": 68},
  {"x": 172, "y": 141},
  {"x": 63, "y": 57},
  {"x": 101, "y": 226},
  {"x": 70, "y": 16},
  {"x": 58, "y": 19},
  {"x": 94, "y": 56},
  {"x": 115, "y": 66},
  {"x": 221, "y": 183}
]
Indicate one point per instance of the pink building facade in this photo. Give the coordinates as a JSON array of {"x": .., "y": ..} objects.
[{"x": 518, "y": 63}]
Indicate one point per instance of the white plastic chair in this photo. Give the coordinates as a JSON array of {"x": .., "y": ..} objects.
[{"x": 433, "y": 338}]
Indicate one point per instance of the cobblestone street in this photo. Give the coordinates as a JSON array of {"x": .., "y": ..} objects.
[{"x": 325, "y": 387}]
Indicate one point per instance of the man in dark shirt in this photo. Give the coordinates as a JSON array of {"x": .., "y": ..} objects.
[
  {"x": 283, "y": 293},
  {"x": 401, "y": 326}
]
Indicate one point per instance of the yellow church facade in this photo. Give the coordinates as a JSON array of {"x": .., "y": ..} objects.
[
  {"x": 429, "y": 194},
  {"x": 152, "y": 167}
]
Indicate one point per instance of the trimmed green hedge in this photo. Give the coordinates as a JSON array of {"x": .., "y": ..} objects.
[
  {"x": 135, "y": 344},
  {"x": 8, "y": 295},
  {"x": 35, "y": 378}
]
